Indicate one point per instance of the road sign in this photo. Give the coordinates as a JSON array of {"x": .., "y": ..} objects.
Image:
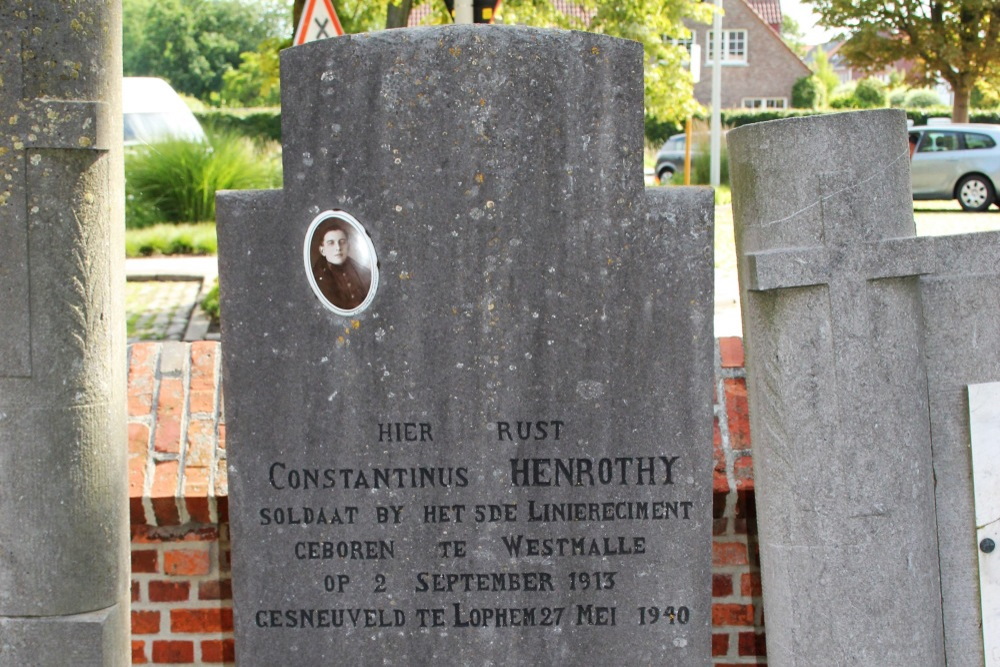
[{"x": 319, "y": 21}]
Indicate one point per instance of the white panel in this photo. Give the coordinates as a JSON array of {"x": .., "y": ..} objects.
[{"x": 984, "y": 426}]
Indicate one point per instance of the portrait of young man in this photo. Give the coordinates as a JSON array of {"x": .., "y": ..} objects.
[{"x": 341, "y": 269}]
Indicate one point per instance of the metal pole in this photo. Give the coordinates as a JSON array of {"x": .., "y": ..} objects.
[
  {"x": 716, "y": 124},
  {"x": 688, "y": 134},
  {"x": 463, "y": 11}
]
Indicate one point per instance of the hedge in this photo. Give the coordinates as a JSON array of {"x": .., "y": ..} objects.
[
  {"x": 262, "y": 123},
  {"x": 920, "y": 116}
]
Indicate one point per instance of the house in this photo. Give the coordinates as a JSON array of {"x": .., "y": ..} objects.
[
  {"x": 846, "y": 71},
  {"x": 758, "y": 68}
]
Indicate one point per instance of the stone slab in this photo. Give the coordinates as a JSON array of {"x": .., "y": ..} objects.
[
  {"x": 960, "y": 308},
  {"x": 984, "y": 427},
  {"x": 540, "y": 341},
  {"x": 93, "y": 639}
]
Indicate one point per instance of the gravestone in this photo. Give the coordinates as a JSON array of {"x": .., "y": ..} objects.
[
  {"x": 484, "y": 438},
  {"x": 63, "y": 481},
  {"x": 862, "y": 341}
]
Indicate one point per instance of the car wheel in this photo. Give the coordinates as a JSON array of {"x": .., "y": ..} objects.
[
  {"x": 975, "y": 193},
  {"x": 665, "y": 176}
]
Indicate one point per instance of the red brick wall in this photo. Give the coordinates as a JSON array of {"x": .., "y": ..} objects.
[
  {"x": 182, "y": 610},
  {"x": 737, "y": 614},
  {"x": 181, "y": 583}
]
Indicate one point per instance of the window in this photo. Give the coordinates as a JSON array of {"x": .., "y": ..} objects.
[
  {"x": 734, "y": 47},
  {"x": 765, "y": 102},
  {"x": 693, "y": 60},
  {"x": 686, "y": 43},
  {"x": 675, "y": 144},
  {"x": 936, "y": 141},
  {"x": 973, "y": 141}
]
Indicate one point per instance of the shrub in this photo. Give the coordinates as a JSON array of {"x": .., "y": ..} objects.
[
  {"x": 176, "y": 181},
  {"x": 846, "y": 88},
  {"x": 897, "y": 98},
  {"x": 171, "y": 239},
  {"x": 985, "y": 116},
  {"x": 701, "y": 162},
  {"x": 870, "y": 93},
  {"x": 808, "y": 93},
  {"x": 738, "y": 117},
  {"x": 844, "y": 102},
  {"x": 210, "y": 304},
  {"x": 922, "y": 98},
  {"x": 259, "y": 123},
  {"x": 658, "y": 131}
]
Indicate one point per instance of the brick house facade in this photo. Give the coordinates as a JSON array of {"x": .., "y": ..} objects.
[{"x": 758, "y": 68}]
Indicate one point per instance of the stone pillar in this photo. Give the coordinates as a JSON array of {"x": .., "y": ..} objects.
[
  {"x": 63, "y": 497},
  {"x": 829, "y": 276}
]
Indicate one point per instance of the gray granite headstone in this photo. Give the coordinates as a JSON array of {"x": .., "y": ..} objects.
[
  {"x": 483, "y": 440},
  {"x": 861, "y": 340}
]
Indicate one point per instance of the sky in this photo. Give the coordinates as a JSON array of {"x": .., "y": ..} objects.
[{"x": 802, "y": 13}]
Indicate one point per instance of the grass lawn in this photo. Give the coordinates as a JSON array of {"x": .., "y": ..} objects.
[{"x": 171, "y": 239}]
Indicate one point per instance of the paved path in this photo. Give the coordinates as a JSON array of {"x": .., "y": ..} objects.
[{"x": 162, "y": 296}]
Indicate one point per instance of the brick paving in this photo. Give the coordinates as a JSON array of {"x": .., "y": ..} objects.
[
  {"x": 159, "y": 310},
  {"x": 162, "y": 296}
]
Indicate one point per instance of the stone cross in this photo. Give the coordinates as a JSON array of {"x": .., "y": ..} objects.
[
  {"x": 483, "y": 440},
  {"x": 64, "y": 561},
  {"x": 863, "y": 496}
]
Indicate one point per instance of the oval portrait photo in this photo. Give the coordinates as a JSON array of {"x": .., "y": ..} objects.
[{"x": 340, "y": 262}]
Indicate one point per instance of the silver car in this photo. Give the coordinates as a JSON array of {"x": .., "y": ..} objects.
[{"x": 956, "y": 161}]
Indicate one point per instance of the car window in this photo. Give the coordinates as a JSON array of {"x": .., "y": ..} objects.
[
  {"x": 973, "y": 141},
  {"x": 936, "y": 140}
]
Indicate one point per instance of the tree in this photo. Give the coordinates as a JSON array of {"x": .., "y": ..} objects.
[
  {"x": 792, "y": 36},
  {"x": 986, "y": 94},
  {"x": 824, "y": 70},
  {"x": 652, "y": 23},
  {"x": 256, "y": 81},
  {"x": 192, "y": 43},
  {"x": 956, "y": 40}
]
